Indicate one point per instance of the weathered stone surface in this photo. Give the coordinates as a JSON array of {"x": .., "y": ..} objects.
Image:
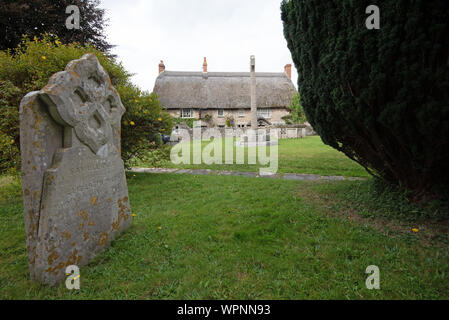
[
  {"x": 73, "y": 179},
  {"x": 154, "y": 170},
  {"x": 245, "y": 174},
  {"x": 271, "y": 176},
  {"x": 293, "y": 176}
]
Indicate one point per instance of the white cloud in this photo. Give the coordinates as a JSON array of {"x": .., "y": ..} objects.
[{"x": 182, "y": 32}]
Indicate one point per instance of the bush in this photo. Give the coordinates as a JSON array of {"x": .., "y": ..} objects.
[
  {"x": 379, "y": 96},
  {"x": 143, "y": 122},
  {"x": 187, "y": 121},
  {"x": 297, "y": 115},
  {"x": 29, "y": 67}
]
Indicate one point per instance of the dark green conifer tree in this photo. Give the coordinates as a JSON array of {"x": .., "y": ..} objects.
[{"x": 380, "y": 96}]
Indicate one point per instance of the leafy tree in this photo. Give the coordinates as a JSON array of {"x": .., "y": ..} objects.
[
  {"x": 380, "y": 96},
  {"x": 33, "y": 18},
  {"x": 30, "y": 66},
  {"x": 297, "y": 114}
]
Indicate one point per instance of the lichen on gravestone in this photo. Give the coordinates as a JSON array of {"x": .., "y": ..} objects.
[{"x": 73, "y": 179}]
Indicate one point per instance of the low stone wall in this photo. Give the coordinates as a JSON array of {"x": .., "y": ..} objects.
[{"x": 283, "y": 132}]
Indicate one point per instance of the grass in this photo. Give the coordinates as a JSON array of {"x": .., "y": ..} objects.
[
  {"x": 225, "y": 237},
  {"x": 309, "y": 155}
]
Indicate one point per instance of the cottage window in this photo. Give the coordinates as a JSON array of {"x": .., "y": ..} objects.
[
  {"x": 241, "y": 112},
  {"x": 186, "y": 113},
  {"x": 264, "y": 113},
  {"x": 220, "y": 113}
]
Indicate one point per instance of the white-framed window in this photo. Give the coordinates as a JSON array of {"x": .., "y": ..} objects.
[
  {"x": 220, "y": 113},
  {"x": 264, "y": 113},
  {"x": 241, "y": 113},
  {"x": 186, "y": 113}
]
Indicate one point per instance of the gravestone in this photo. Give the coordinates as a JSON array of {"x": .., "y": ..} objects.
[{"x": 74, "y": 186}]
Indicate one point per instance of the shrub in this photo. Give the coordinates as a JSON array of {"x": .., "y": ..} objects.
[
  {"x": 29, "y": 67},
  {"x": 297, "y": 115},
  {"x": 143, "y": 122},
  {"x": 379, "y": 96},
  {"x": 187, "y": 121}
]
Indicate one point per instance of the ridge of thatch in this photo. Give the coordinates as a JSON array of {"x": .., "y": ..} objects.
[{"x": 222, "y": 90}]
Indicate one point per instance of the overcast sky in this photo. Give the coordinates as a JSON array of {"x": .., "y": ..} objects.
[{"x": 183, "y": 32}]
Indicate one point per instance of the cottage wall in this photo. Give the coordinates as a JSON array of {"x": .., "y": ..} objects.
[{"x": 275, "y": 117}]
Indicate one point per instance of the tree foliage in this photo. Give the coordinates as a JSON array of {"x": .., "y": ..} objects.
[
  {"x": 297, "y": 114},
  {"x": 33, "y": 18},
  {"x": 30, "y": 66},
  {"x": 380, "y": 96}
]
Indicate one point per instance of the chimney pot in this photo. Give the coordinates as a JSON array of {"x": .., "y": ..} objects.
[
  {"x": 161, "y": 66},
  {"x": 288, "y": 70},
  {"x": 205, "y": 65}
]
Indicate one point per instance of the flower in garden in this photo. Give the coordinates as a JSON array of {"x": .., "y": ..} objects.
[
  {"x": 133, "y": 214},
  {"x": 132, "y": 123},
  {"x": 159, "y": 228},
  {"x": 44, "y": 57},
  {"x": 35, "y": 39},
  {"x": 159, "y": 119},
  {"x": 12, "y": 141},
  {"x": 415, "y": 229},
  {"x": 58, "y": 42}
]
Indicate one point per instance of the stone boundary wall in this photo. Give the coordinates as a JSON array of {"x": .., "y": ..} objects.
[{"x": 283, "y": 132}]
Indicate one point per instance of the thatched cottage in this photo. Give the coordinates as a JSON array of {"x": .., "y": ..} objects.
[{"x": 221, "y": 98}]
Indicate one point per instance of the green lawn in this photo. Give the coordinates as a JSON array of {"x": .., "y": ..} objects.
[
  {"x": 309, "y": 155},
  {"x": 226, "y": 237}
]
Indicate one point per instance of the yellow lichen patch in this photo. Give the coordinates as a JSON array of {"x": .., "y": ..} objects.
[
  {"x": 83, "y": 214},
  {"x": 52, "y": 257},
  {"x": 116, "y": 225},
  {"x": 103, "y": 238},
  {"x": 81, "y": 226},
  {"x": 121, "y": 213},
  {"x": 66, "y": 235},
  {"x": 86, "y": 236},
  {"x": 91, "y": 223},
  {"x": 93, "y": 200},
  {"x": 73, "y": 244},
  {"x": 74, "y": 258}
]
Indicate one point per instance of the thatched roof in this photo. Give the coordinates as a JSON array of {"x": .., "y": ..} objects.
[{"x": 222, "y": 90}]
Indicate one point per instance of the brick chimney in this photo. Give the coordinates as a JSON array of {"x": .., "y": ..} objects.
[
  {"x": 205, "y": 65},
  {"x": 288, "y": 70},
  {"x": 161, "y": 67}
]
